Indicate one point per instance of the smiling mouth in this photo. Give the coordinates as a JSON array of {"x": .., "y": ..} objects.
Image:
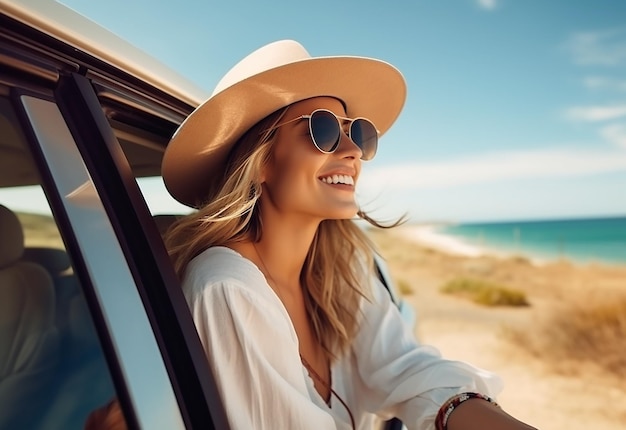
[{"x": 338, "y": 179}]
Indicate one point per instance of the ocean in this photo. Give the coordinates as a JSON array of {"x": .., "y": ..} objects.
[{"x": 601, "y": 240}]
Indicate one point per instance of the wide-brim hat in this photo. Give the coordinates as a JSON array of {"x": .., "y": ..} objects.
[{"x": 271, "y": 78}]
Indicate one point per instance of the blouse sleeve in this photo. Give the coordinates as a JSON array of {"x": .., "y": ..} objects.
[
  {"x": 404, "y": 378},
  {"x": 253, "y": 353}
]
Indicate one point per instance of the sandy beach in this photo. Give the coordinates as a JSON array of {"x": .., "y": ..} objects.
[{"x": 546, "y": 384}]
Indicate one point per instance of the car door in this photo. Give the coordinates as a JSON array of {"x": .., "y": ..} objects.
[{"x": 105, "y": 321}]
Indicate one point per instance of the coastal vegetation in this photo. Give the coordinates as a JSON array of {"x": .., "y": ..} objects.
[
  {"x": 485, "y": 292},
  {"x": 404, "y": 287},
  {"x": 592, "y": 331}
]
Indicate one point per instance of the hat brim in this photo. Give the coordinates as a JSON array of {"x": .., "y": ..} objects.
[{"x": 197, "y": 153}]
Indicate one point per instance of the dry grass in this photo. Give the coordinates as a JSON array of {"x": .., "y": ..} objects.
[
  {"x": 591, "y": 331},
  {"x": 484, "y": 292},
  {"x": 404, "y": 287},
  {"x": 40, "y": 230}
]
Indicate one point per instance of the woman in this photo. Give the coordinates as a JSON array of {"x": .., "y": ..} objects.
[{"x": 298, "y": 332}]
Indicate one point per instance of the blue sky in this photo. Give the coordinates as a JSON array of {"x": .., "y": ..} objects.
[{"x": 516, "y": 108}]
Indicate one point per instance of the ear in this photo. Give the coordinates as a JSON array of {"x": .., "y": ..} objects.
[{"x": 263, "y": 174}]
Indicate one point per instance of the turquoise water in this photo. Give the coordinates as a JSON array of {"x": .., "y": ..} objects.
[{"x": 580, "y": 240}]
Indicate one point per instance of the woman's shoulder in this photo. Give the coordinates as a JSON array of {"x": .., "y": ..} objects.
[
  {"x": 223, "y": 280},
  {"x": 224, "y": 266}
]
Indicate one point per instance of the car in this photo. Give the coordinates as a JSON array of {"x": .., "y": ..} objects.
[{"x": 90, "y": 307}]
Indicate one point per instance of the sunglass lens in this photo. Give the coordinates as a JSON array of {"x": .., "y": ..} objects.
[
  {"x": 325, "y": 130},
  {"x": 364, "y": 134}
]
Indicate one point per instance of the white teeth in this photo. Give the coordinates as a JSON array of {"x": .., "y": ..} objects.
[{"x": 338, "y": 179}]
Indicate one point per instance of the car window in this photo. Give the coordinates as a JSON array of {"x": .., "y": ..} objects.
[
  {"x": 159, "y": 201},
  {"x": 53, "y": 371}
]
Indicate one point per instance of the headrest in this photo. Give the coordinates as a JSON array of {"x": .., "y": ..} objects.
[
  {"x": 55, "y": 261},
  {"x": 164, "y": 221},
  {"x": 11, "y": 237}
]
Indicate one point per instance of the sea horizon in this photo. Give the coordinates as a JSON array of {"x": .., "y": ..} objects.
[{"x": 598, "y": 239}]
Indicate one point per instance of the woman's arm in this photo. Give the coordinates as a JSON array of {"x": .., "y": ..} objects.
[
  {"x": 477, "y": 414},
  {"x": 410, "y": 380}
]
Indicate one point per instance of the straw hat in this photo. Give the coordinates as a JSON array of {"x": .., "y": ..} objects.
[{"x": 271, "y": 78}]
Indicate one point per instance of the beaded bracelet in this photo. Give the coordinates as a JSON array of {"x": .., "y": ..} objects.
[{"x": 441, "y": 422}]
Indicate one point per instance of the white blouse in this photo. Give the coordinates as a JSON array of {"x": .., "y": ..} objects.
[{"x": 252, "y": 350}]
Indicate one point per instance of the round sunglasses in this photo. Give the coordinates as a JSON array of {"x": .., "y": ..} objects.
[{"x": 325, "y": 128}]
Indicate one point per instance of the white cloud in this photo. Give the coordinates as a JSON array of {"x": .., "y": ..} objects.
[
  {"x": 596, "y": 113},
  {"x": 615, "y": 133},
  {"x": 492, "y": 167},
  {"x": 487, "y": 4},
  {"x": 606, "y": 47},
  {"x": 602, "y": 83}
]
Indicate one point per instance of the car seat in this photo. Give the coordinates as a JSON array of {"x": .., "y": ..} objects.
[
  {"x": 82, "y": 381},
  {"x": 29, "y": 341},
  {"x": 66, "y": 287}
]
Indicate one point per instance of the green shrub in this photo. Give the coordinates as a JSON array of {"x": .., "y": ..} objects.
[{"x": 485, "y": 293}]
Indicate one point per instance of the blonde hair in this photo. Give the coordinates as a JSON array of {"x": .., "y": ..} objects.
[{"x": 337, "y": 269}]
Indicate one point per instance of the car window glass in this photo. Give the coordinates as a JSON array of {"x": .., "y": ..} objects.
[
  {"x": 159, "y": 201},
  {"x": 53, "y": 372}
]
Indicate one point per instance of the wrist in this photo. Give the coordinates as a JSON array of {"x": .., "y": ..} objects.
[
  {"x": 446, "y": 410},
  {"x": 477, "y": 412}
]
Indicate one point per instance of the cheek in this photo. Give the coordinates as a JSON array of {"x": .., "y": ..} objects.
[
  {"x": 293, "y": 168},
  {"x": 295, "y": 162},
  {"x": 286, "y": 180},
  {"x": 290, "y": 181}
]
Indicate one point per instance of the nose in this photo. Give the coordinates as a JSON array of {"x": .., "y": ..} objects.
[{"x": 347, "y": 148}]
